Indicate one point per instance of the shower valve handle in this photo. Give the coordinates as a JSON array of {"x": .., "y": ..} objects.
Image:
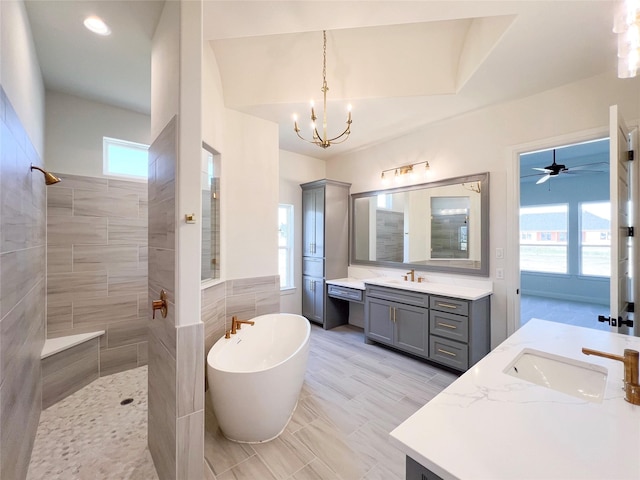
[{"x": 160, "y": 305}]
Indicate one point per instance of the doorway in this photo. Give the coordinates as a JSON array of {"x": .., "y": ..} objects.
[{"x": 565, "y": 234}]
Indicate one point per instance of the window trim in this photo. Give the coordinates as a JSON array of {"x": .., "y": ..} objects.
[
  {"x": 106, "y": 142},
  {"x": 289, "y": 248}
]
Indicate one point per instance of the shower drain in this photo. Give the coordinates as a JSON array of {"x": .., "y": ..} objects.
[{"x": 126, "y": 401}]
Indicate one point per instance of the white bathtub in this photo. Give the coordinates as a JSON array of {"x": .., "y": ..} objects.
[{"x": 255, "y": 376}]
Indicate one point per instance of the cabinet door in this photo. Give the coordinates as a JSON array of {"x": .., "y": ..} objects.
[
  {"x": 313, "y": 222},
  {"x": 308, "y": 222},
  {"x": 411, "y": 327},
  {"x": 378, "y": 323},
  {"x": 313, "y": 298},
  {"x": 318, "y": 240}
]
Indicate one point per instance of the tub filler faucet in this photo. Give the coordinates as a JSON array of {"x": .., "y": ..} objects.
[{"x": 237, "y": 324}]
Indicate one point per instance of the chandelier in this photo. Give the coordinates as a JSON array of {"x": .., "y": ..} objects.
[
  {"x": 626, "y": 25},
  {"x": 323, "y": 140}
]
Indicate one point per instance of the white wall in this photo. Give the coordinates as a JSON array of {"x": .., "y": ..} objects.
[
  {"x": 165, "y": 68},
  {"x": 20, "y": 75},
  {"x": 294, "y": 170},
  {"x": 249, "y": 153},
  {"x": 485, "y": 140},
  {"x": 249, "y": 197},
  {"x": 212, "y": 100},
  {"x": 75, "y": 127}
]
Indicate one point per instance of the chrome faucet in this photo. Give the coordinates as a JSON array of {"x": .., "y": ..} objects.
[
  {"x": 412, "y": 273},
  {"x": 630, "y": 361},
  {"x": 237, "y": 324}
]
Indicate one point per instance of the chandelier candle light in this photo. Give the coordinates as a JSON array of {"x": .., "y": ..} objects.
[
  {"x": 322, "y": 140},
  {"x": 626, "y": 25}
]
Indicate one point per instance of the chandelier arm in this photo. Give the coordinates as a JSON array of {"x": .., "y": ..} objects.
[
  {"x": 347, "y": 132},
  {"x": 308, "y": 141}
]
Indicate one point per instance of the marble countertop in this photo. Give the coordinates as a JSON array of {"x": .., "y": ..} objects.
[
  {"x": 490, "y": 425},
  {"x": 447, "y": 290}
]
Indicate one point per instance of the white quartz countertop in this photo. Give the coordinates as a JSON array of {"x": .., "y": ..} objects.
[
  {"x": 347, "y": 282},
  {"x": 490, "y": 425},
  {"x": 447, "y": 290}
]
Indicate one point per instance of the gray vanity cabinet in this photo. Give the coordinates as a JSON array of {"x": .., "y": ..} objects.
[
  {"x": 325, "y": 254},
  {"x": 450, "y": 331},
  {"x": 397, "y": 319},
  {"x": 459, "y": 331}
]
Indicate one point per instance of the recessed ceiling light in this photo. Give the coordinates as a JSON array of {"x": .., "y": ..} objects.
[{"x": 97, "y": 25}]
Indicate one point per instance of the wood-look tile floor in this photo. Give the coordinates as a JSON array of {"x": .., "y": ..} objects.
[{"x": 354, "y": 394}]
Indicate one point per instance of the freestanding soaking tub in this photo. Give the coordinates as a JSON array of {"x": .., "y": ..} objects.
[{"x": 255, "y": 376}]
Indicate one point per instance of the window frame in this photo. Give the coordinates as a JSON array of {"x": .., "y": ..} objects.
[
  {"x": 106, "y": 143},
  {"x": 550, "y": 240},
  {"x": 581, "y": 243}
]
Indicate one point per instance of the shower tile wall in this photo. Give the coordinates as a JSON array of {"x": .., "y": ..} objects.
[
  {"x": 22, "y": 292},
  {"x": 389, "y": 245},
  {"x": 176, "y": 354},
  {"x": 97, "y": 265}
]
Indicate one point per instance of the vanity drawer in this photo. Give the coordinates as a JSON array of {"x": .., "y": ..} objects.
[
  {"x": 449, "y": 325},
  {"x": 313, "y": 267},
  {"x": 452, "y": 305},
  {"x": 399, "y": 295},
  {"x": 345, "y": 293},
  {"x": 449, "y": 352}
]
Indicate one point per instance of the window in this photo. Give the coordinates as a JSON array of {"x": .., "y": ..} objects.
[
  {"x": 595, "y": 239},
  {"x": 125, "y": 159},
  {"x": 285, "y": 246},
  {"x": 543, "y": 238}
]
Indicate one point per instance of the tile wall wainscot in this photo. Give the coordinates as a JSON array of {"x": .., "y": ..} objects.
[
  {"x": 22, "y": 292},
  {"x": 245, "y": 297},
  {"x": 97, "y": 266}
]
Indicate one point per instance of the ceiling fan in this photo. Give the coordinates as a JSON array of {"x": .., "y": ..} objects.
[{"x": 551, "y": 170}]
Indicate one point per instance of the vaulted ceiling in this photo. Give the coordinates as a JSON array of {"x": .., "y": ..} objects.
[{"x": 400, "y": 64}]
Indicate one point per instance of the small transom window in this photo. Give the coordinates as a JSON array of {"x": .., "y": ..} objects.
[{"x": 125, "y": 159}]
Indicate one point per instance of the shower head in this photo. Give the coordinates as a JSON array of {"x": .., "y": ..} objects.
[{"x": 49, "y": 178}]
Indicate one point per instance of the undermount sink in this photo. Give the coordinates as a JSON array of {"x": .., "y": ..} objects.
[{"x": 573, "y": 377}]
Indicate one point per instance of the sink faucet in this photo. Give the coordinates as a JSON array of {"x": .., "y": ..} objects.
[
  {"x": 630, "y": 361},
  {"x": 412, "y": 273},
  {"x": 237, "y": 324}
]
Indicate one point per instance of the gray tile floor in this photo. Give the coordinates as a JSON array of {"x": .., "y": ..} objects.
[
  {"x": 572, "y": 313},
  {"x": 354, "y": 394}
]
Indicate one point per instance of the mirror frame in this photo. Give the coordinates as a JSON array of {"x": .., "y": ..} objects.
[{"x": 483, "y": 271}]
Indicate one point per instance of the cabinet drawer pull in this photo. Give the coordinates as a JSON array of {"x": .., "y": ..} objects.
[
  {"x": 447, "y": 305},
  {"x": 440, "y": 324},
  {"x": 446, "y": 352}
]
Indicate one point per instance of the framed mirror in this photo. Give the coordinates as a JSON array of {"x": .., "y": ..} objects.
[
  {"x": 210, "y": 189},
  {"x": 439, "y": 226}
]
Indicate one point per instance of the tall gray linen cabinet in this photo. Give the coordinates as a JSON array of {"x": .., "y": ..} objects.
[{"x": 325, "y": 248}]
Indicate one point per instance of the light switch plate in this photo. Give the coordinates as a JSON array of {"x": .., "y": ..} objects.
[
  {"x": 499, "y": 273},
  {"x": 499, "y": 252}
]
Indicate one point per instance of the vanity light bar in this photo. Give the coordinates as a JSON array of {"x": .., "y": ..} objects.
[{"x": 404, "y": 170}]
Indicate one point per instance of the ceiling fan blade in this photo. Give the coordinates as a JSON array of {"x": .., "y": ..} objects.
[
  {"x": 546, "y": 170},
  {"x": 543, "y": 179}
]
